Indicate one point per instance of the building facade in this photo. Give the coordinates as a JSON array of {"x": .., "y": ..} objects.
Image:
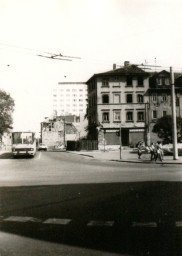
[
  {"x": 129, "y": 100},
  {"x": 69, "y": 98},
  {"x": 116, "y": 99},
  {"x": 159, "y": 99},
  {"x": 57, "y": 131}
]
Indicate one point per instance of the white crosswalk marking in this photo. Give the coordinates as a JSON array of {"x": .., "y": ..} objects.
[
  {"x": 178, "y": 223},
  {"x": 100, "y": 223},
  {"x": 21, "y": 219},
  {"x": 145, "y": 224},
  {"x": 57, "y": 221}
]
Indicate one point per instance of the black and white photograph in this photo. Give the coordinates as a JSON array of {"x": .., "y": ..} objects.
[{"x": 90, "y": 128}]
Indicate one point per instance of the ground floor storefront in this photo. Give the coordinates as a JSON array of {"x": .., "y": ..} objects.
[{"x": 124, "y": 136}]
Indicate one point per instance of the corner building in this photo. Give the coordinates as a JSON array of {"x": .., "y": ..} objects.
[{"x": 116, "y": 99}]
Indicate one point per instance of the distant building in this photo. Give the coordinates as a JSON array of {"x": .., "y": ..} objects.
[
  {"x": 116, "y": 99},
  {"x": 70, "y": 98}
]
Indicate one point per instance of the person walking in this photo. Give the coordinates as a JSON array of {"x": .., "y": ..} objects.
[
  {"x": 140, "y": 146},
  {"x": 159, "y": 151},
  {"x": 152, "y": 151}
]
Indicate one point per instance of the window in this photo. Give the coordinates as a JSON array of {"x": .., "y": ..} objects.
[
  {"x": 129, "y": 98},
  {"x": 164, "y": 113},
  {"x": 105, "y": 83},
  {"x": 164, "y": 98},
  {"x": 140, "y": 81},
  {"x": 140, "y": 98},
  {"x": 68, "y": 90},
  {"x": 140, "y": 116},
  {"x": 116, "y": 98},
  {"x": 129, "y": 81},
  {"x": 177, "y": 101},
  {"x": 154, "y": 97},
  {"x": 105, "y": 98},
  {"x": 105, "y": 117},
  {"x": 81, "y": 90},
  {"x": 154, "y": 114},
  {"x": 74, "y": 90},
  {"x": 80, "y": 100},
  {"x": 117, "y": 116},
  {"x": 129, "y": 116}
]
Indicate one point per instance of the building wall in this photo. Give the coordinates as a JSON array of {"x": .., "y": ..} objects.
[{"x": 69, "y": 98}]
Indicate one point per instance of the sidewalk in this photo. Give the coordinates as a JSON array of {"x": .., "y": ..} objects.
[{"x": 126, "y": 156}]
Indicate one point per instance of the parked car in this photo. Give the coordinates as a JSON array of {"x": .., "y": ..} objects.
[{"x": 42, "y": 146}]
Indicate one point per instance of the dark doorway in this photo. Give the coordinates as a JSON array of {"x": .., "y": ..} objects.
[{"x": 125, "y": 137}]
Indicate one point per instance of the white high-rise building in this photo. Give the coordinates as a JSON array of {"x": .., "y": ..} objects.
[{"x": 70, "y": 98}]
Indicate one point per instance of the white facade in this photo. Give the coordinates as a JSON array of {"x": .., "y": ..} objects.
[{"x": 70, "y": 98}]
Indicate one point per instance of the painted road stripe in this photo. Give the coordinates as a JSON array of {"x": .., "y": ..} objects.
[
  {"x": 147, "y": 224},
  {"x": 22, "y": 219},
  {"x": 57, "y": 221},
  {"x": 100, "y": 223},
  {"x": 178, "y": 223}
]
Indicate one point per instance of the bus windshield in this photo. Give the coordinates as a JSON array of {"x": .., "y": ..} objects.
[{"x": 23, "y": 138}]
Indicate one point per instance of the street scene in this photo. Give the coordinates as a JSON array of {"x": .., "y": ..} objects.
[{"x": 90, "y": 128}]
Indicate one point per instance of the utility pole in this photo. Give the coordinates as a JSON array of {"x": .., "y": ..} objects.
[
  {"x": 120, "y": 141},
  {"x": 174, "y": 129},
  {"x": 64, "y": 132}
]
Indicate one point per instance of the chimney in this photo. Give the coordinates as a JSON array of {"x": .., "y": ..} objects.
[
  {"x": 114, "y": 66},
  {"x": 126, "y": 63}
]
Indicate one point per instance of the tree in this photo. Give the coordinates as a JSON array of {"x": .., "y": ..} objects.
[
  {"x": 6, "y": 109},
  {"x": 163, "y": 128}
]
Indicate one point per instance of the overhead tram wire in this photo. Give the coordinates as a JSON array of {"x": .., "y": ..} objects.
[{"x": 89, "y": 60}]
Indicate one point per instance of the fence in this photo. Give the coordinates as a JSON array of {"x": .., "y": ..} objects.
[{"x": 82, "y": 145}]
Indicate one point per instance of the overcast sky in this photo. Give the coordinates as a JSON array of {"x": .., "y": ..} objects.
[{"x": 101, "y": 32}]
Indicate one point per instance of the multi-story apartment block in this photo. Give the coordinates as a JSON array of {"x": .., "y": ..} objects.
[
  {"x": 70, "y": 98},
  {"x": 116, "y": 100},
  {"x": 159, "y": 99},
  {"x": 132, "y": 100}
]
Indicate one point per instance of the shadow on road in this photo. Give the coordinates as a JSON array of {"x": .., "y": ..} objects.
[{"x": 123, "y": 204}]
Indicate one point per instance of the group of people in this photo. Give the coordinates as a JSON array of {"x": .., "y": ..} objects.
[{"x": 155, "y": 150}]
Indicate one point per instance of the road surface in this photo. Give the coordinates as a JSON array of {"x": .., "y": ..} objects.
[{"x": 59, "y": 203}]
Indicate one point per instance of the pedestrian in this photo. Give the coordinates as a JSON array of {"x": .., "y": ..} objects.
[
  {"x": 159, "y": 151},
  {"x": 152, "y": 151},
  {"x": 140, "y": 146}
]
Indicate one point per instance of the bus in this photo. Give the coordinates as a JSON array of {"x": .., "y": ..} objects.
[{"x": 23, "y": 143}]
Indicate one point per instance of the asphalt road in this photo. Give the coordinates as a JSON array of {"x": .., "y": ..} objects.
[{"x": 64, "y": 204}]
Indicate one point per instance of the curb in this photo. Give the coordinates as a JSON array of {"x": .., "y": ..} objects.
[{"x": 126, "y": 161}]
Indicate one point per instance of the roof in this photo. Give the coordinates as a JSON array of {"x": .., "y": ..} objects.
[{"x": 126, "y": 70}]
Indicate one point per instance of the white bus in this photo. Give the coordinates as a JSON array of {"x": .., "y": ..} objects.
[{"x": 23, "y": 143}]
